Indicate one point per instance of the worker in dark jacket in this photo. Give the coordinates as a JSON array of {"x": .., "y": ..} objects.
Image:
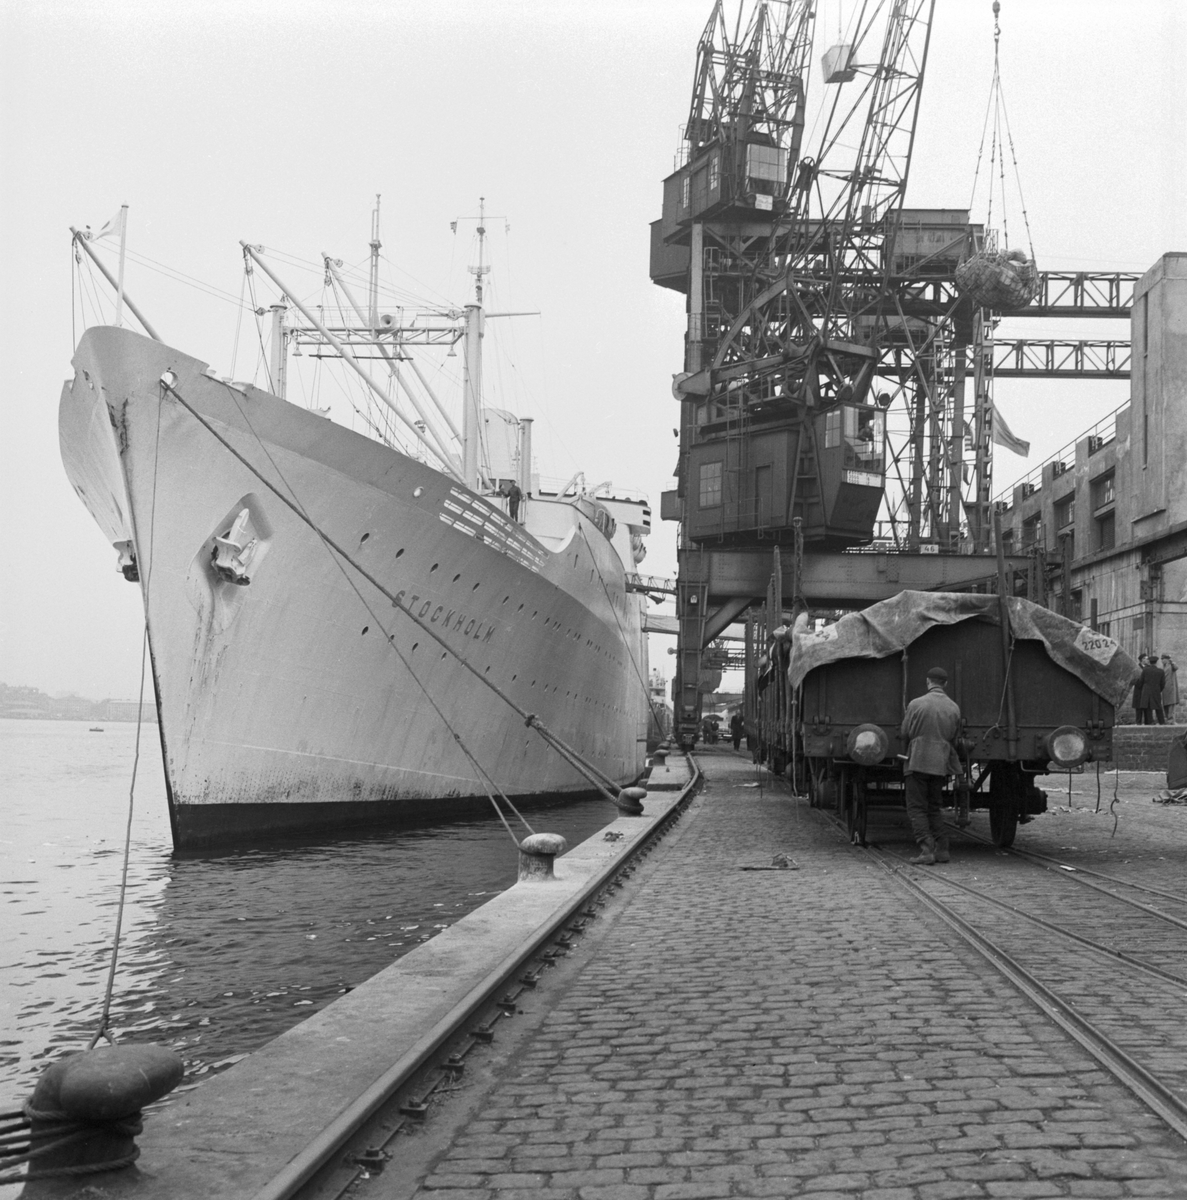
[
  {"x": 930, "y": 729},
  {"x": 1153, "y": 681},
  {"x": 737, "y": 727}
]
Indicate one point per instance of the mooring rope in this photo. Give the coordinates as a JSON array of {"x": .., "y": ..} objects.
[
  {"x": 105, "y": 1014},
  {"x": 21, "y": 1145},
  {"x": 102, "y": 1030},
  {"x": 602, "y": 781}
]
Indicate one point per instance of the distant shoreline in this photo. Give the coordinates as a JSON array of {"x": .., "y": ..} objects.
[{"x": 41, "y": 716}]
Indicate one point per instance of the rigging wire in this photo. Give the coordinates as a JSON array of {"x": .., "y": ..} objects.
[
  {"x": 1001, "y": 138},
  {"x": 238, "y": 321},
  {"x": 75, "y": 257}
]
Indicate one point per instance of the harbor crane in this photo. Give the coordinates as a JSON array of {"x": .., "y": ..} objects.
[{"x": 836, "y": 391}]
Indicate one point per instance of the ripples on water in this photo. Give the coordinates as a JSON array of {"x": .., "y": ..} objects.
[{"x": 219, "y": 954}]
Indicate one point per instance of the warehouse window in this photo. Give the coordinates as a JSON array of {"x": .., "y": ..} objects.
[
  {"x": 685, "y": 191},
  {"x": 1106, "y": 531},
  {"x": 1104, "y": 492},
  {"x": 714, "y": 173},
  {"x": 710, "y": 484},
  {"x": 1065, "y": 512}
]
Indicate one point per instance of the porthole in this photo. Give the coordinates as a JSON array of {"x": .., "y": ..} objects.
[
  {"x": 443, "y": 653},
  {"x": 364, "y": 538},
  {"x": 365, "y": 628},
  {"x": 457, "y": 577},
  {"x": 400, "y": 552},
  {"x": 514, "y": 678},
  {"x": 433, "y": 567},
  {"x": 414, "y": 646},
  {"x": 476, "y": 587},
  {"x": 519, "y": 609}
]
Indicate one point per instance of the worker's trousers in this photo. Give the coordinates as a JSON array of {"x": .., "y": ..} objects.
[{"x": 924, "y": 793}]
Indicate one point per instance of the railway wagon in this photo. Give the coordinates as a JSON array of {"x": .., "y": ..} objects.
[{"x": 1039, "y": 697}]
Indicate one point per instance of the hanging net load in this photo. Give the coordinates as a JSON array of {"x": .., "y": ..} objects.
[
  {"x": 1001, "y": 280},
  {"x": 998, "y": 277}
]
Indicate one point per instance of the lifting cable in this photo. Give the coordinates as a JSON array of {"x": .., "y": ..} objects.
[
  {"x": 1000, "y": 138},
  {"x": 484, "y": 779},
  {"x": 602, "y": 782}
]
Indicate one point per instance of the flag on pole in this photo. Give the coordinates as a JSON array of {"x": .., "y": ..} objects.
[
  {"x": 113, "y": 228},
  {"x": 1004, "y": 436}
]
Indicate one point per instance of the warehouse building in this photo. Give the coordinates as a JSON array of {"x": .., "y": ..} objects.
[{"x": 1105, "y": 522}]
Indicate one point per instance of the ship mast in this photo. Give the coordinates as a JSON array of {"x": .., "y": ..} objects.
[
  {"x": 472, "y": 364},
  {"x": 373, "y": 288}
]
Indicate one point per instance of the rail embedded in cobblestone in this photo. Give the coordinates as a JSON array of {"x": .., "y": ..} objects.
[
  {"x": 1151, "y": 1089},
  {"x": 1077, "y": 875},
  {"x": 1063, "y": 931}
]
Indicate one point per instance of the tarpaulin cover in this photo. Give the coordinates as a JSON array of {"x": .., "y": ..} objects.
[
  {"x": 1003, "y": 281},
  {"x": 892, "y": 625}
]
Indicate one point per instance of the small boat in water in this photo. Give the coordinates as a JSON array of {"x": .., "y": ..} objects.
[{"x": 327, "y": 609}]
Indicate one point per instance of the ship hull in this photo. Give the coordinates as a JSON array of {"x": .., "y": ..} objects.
[{"x": 347, "y": 686}]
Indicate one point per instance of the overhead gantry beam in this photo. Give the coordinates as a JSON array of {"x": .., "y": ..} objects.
[
  {"x": 836, "y": 580},
  {"x": 1027, "y": 358}
]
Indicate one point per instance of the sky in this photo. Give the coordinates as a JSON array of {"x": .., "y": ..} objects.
[{"x": 278, "y": 123}]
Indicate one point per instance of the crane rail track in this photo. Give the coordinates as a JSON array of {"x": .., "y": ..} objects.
[{"x": 1154, "y": 1090}]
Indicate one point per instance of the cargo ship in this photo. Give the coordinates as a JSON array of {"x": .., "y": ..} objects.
[{"x": 326, "y": 610}]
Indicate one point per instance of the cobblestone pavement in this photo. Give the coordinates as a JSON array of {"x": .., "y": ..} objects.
[{"x": 738, "y": 1033}]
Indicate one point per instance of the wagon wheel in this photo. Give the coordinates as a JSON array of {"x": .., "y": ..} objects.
[
  {"x": 1003, "y": 821},
  {"x": 1005, "y": 795}
]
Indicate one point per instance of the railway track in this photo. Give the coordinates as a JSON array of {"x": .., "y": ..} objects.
[{"x": 1105, "y": 958}]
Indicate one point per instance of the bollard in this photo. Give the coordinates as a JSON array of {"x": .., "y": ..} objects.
[
  {"x": 659, "y": 756},
  {"x": 536, "y": 853},
  {"x": 85, "y": 1109},
  {"x": 630, "y": 801}
]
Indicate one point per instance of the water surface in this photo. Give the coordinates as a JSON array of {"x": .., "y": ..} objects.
[{"x": 219, "y": 953}]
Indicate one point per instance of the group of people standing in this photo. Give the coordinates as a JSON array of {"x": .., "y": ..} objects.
[{"x": 1155, "y": 690}]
